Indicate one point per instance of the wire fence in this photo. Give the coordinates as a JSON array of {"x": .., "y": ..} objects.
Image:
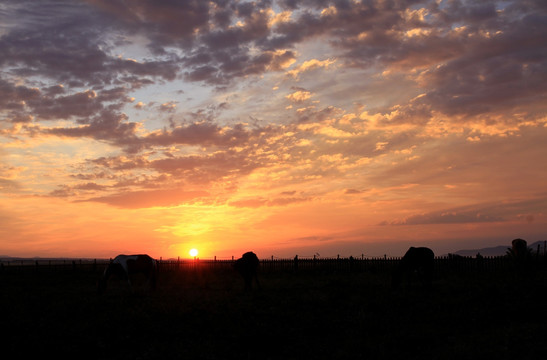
[{"x": 443, "y": 264}]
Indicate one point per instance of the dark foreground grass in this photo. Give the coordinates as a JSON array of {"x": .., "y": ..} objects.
[{"x": 196, "y": 315}]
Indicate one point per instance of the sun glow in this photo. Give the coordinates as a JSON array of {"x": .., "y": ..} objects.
[{"x": 193, "y": 252}]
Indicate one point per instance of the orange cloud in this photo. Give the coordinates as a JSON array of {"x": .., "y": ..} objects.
[
  {"x": 308, "y": 66},
  {"x": 152, "y": 198},
  {"x": 299, "y": 96}
]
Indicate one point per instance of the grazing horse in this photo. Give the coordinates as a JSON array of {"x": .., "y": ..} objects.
[
  {"x": 247, "y": 266},
  {"x": 419, "y": 260},
  {"x": 520, "y": 253},
  {"x": 124, "y": 266},
  {"x": 519, "y": 248}
]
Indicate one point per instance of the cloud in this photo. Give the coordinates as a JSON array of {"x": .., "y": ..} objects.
[
  {"x": 7, "y": 185},
  {"x": 81, "y": 59},
  {"x": 259, "y": 202},
  {"x": 108, "y": 126},
  {"x": 119, "y": 163},
  {"x": 200, "y": 133},
  {"x": 249, "y": 203},
  {"x": 217, "y": 37},
  {"x": 479, "y": 213},
  {"x": 450, "y": 217},
  {"x": 207, "y": 168},
  {"x": 352, "y": 192},
  {"x": 426, "y": 71},
  {"x": 471, "y": 60},
  {"x": 299, "y": 96},
  {"x": 313, "y": 238},
  {"x": 309, "y": 65},
  {"x": 151, "y": 198}
]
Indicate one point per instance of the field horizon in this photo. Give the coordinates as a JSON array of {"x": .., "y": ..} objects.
[
  {"x": 498, "y": 250},
  {"x": 204, "y": 313}
]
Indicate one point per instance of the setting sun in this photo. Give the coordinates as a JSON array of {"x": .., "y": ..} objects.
[{"x": 193, "y": 252}]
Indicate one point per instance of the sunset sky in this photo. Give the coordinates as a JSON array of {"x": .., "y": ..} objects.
[{"x": 283, "y": 127}]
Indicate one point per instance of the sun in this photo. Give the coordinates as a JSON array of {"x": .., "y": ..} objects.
[{"x": 193, "y": 252}]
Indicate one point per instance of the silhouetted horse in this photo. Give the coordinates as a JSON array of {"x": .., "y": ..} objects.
[
  {"x": 247, "y": 266},
  {"x": 124, "y": 266},
  {"x": 418, "y": 260},
  {"x": 520, "y": 253},
  {"x": 519, "y": 248}
]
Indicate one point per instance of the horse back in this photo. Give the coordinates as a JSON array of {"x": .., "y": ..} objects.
[
  {"x": 132, "y": 264},
  {"x": 141, "y": 264},
  {"x": 419, "y": 257}
]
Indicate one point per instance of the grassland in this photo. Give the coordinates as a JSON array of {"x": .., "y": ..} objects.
[{"x": 314, "y": 315}]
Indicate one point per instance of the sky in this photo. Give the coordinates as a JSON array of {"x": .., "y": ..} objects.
[{"x": 291, "y": 127}]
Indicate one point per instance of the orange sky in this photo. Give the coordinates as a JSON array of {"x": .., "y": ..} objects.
[{"x": 282, "y": 127}]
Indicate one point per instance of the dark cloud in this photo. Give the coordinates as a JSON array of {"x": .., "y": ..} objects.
[
  {"x": 80, "y": 105},
  {"x": 352, "y": 192},
  {"x": 204, "y": 169},
  {"x": 66, "y": 49},
  {"x": 13, "y": 98},
  {"x": 216, "y": 50},
  {"x": 450, "y": 217},
  {"x": 474, "y": 59},
  {"x": 472, "y": 56},
  {"x": 109, "y": 126},
  {"x": 120, "y": 162},
  {"x": 199, "y": 169},
  {"x": 200, "y": 133},
  {"x": 165, "y": 22},
  {"x": 7, "y": 185},
  {"x": 314, "y": 238},
  {"x": 468, "y": 60},
  {"x": 54, "y": 102},
  {"x": 90, "y": 186},
  {"x": 69, "y": 42}
]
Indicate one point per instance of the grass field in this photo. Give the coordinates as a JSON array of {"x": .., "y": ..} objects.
[{"x": 207, "y": 315}]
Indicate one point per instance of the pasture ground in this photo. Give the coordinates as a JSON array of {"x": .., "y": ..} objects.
[{"x": 207, "y": 315}]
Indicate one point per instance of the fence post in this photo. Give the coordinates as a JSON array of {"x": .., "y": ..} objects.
[{"x": 296, "y": 263}]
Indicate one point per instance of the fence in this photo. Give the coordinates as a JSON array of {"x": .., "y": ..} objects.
[
  {"x": 53, "y": 265},
  {"x": 444, "y": 264}
]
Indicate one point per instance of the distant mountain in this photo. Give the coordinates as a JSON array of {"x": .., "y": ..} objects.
[
  {"x": 17, "y": 258},
  {"x": 38, "y": 258},
  {"x": 497, "y": 250}
]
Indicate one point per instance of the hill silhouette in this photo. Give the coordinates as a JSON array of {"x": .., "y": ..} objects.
[{"x": 496, "y": 250}]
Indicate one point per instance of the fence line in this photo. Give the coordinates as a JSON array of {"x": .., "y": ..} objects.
[{"x": 443, "y": 264}]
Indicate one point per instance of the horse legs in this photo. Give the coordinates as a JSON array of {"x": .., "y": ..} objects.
[{"x": 257, "y": 282}]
